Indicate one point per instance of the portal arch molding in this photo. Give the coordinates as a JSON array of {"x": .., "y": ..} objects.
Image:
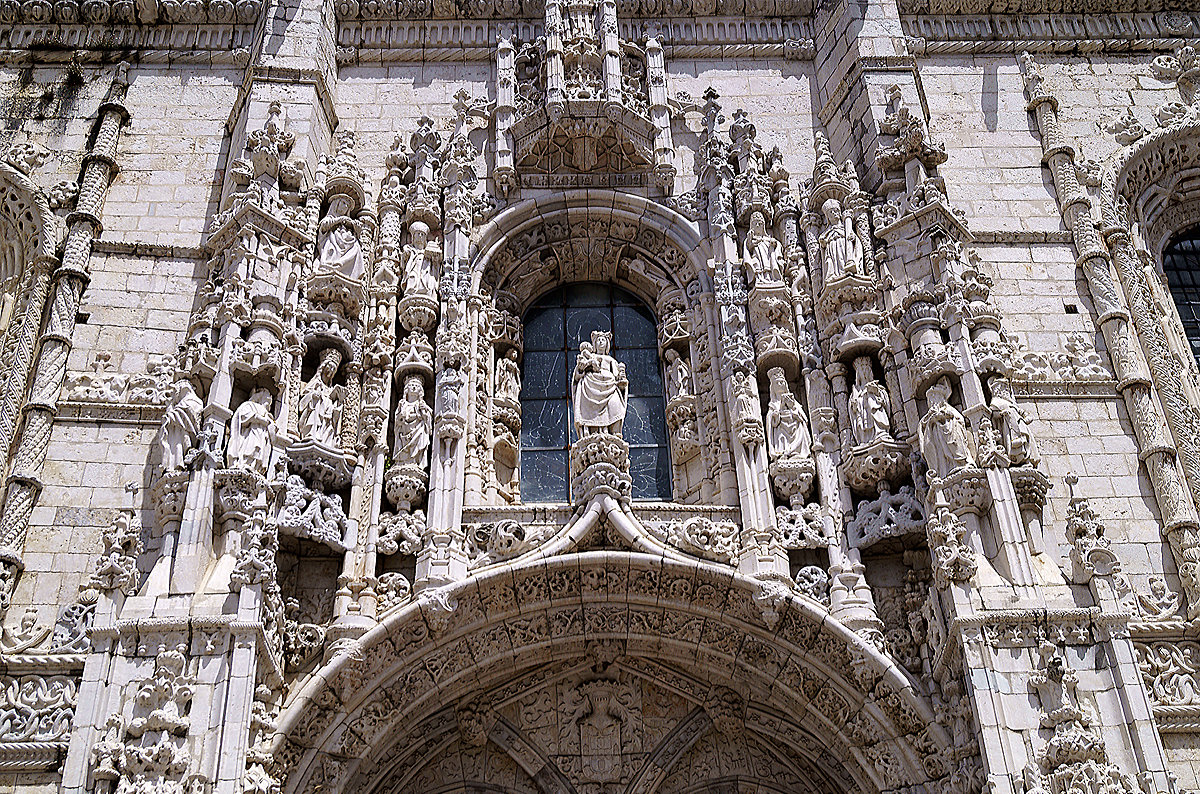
[{"x": 807, "y": 685}]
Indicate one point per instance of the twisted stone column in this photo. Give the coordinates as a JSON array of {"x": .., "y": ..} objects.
[
  {"x": 1160, "y": 448},
  {"x": 50, "y": 367}
]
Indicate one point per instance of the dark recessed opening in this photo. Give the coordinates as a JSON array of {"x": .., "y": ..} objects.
[
  {"x": 1070, "y": 308},
  {"x": 81, "y": 318}
]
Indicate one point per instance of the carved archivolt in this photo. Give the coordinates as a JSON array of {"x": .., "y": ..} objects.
[
  {"x": 529, "y": 249},
  {"x": 457, "y": 641}
]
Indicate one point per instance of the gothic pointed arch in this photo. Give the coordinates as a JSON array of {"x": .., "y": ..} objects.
[{"x": 767, "y": 667}]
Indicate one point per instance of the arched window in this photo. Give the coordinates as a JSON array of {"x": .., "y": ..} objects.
[
  {"x": 1181, "y": 264},
  {"x": 554, "y": 327}
]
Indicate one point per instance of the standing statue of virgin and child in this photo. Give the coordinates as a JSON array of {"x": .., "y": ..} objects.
[{"x": 599, "y": 388}]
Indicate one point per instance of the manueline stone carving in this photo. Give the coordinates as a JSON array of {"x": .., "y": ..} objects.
[
  {"x": 1012, "y": 425},
  {"x": 788, "y": 435},
  {"x": 841, "y": 250},
  {"x": 945, "y": 442},
  {"x": 870, "y": 406},
  {"x": 414, "y": 425},
  {"x": 419, "y": 279},
  {"x": 600, "y": 390},
  {"x": 340, "y": 249},
  {"x": 181, "y": 426},
  {"x": 762, "y": 254},
  {"x": 251, "y": 432},
  {"x": 321, "y": 403}
]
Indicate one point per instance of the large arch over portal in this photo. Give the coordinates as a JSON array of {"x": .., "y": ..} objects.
[{"x": 809, "y": 687}]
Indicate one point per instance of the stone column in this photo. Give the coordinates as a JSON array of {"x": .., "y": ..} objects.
[
  {"x": 1176, "y": 500},
  {"x": 50, "y": 367}
]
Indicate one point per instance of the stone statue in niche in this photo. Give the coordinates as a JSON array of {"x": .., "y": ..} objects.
[
  {"x": 679, "y": 376},
  {"x": 945, "y": 442},
  {"x": 870, "y": 406},
  {"x": 841, "y": 250},
  {"x": 508, "y": 378},
  {"x": 450, "y": 383},
  {"x": 746, "y": 394},
  {"x": 418, "y": 269},
  {"x": 1012, "y": 424},
  {"x": 8, "y": 302},
  {"x": 599, "y": 388},
  {"x": 340, "y": 250},
  {"x": 762, "y": 253},
  {"x": 180, "y": 426},
  {"x": 414, "y": 425},
  {"x": 788, "y": 436},
  {"x": 320, "y": 406},
  {"x": 250, "y": 434}
]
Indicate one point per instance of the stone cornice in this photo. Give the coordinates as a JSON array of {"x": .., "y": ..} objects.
[
  {"x": 183, "y": 44},
  {"x": 1038, "y": 6},
  {"x": 516, "y": 12},
  {"x": 383, "y": 40},
  {"x": 931, "y": 34}
]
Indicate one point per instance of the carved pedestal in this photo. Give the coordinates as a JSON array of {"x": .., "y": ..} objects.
[{"x": 600, "y": 465}]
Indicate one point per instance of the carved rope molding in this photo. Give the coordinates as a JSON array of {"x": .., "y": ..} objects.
[
  {"x": 1129, "y": 347},
  {"x": 69, "y": 280}
]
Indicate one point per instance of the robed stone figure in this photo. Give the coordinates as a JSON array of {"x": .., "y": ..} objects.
[{"x": 599, "y": 388}]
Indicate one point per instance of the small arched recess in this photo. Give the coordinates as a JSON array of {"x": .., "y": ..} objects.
[{"x": 556, "y": 325}]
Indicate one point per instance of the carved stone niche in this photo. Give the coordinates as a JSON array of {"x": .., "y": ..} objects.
[
  {"x": 259, "y": 356},
  {"x": 674, "y": 327},
  {"x": 323, "y": 404}
]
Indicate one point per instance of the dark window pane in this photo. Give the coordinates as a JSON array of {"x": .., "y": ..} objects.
[
  {"x": 633, "y": 327},
  {"x": 543, "y": 476},
  {"x": 582, "y": 321},
  {"x": 589, "y": 295},
  {"x": 552, "y": 298},
  {"x": 544, "y": 375},
  {"x": 1181, "y": 265},
  {"x": 544, "y": 330},
  {"x": 643, "y": 370},
  {"x": 543, "y": 423},
  {"x": 644, "y": 422},
  {"x": 650, "y": 469}
]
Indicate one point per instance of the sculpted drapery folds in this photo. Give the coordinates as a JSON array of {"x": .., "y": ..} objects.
[
  {"x": 945, "y": 442},
  {"x": 870, "y": 405},
  {"x": 180, "y": 427},
  {"x": 340, "y": 248},
  {"x": 321, "y": 402},
  {"x": 251, "y": 432},
  {"x": 414, "y": 425},
  {"x": 788, "y": 435},
  {"x": 600, "y": 388},
  {"x": 841, "y": 250}
]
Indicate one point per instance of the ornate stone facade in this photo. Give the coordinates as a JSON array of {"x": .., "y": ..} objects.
[{"x": 863, "y": 456}]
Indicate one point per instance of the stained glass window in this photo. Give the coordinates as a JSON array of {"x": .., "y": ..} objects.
[
  {"x": 1181, "y": 263},
  {"x": 554, "y": 327}
]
